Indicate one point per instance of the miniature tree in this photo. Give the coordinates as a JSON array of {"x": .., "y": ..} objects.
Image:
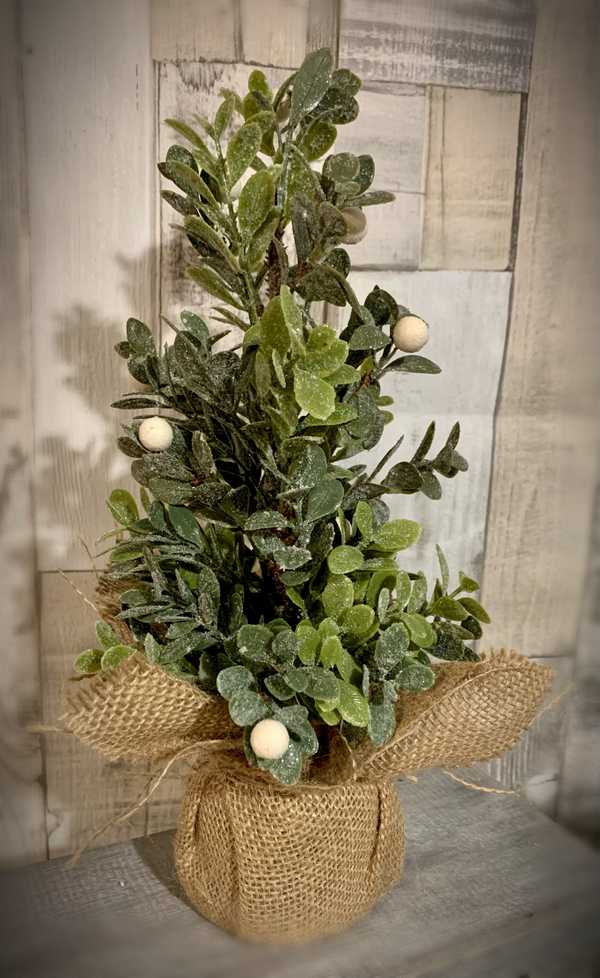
[{"x": 265, "y": 567}]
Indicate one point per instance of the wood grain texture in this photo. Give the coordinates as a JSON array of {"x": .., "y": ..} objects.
[
  {"x": 391, "y": 127},
  {"x": 471, "y": 173},
  {"x": 90, "y": 171},
  {"x": 267, "y": 32},
  {"x": 194, "y": 30},
  {"x": 83, "y": 791},
  {"x": 579, "y": 786},
  {"x": 546, "y": 430},
  {"x": 22, "y": 822},
  {"x": 455, "y": 304},
  {"x": 442, "y": 42},
  {"x": 491, "y": 887}
]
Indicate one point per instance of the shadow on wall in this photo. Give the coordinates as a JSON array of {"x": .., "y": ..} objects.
[{"x": 77, "y": 463}]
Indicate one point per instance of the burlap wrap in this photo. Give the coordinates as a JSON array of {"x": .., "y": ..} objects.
[{"x": 279, "y": 864}]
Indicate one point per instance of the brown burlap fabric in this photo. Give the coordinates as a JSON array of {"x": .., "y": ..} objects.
[
  {"x": 140, "y": 711},
  {"x": 286, "y": 865},
  {"x": 272, "y": 863}
]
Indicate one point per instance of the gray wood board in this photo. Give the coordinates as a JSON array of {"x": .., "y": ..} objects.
[
  {"x": 579, "y": 787},
  {"x": 444, "y": 42},
  {"x": 491, "y": 887},
  {"x": 22, "y": 822},
  {"x": 267, "y": 32},
  {"x": 89, "y": 114}
]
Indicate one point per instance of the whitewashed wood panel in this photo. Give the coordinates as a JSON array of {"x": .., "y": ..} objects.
[
  {"x": 392, "y": 128},
  {"x": 22, "y": 823},
  {"x": 265, "y": 32},
  {"x": 546, "y": 431},
  {"x": 194, "y": 30},
  {"x": 467, "y": 313},
  {"x": 579, "y": 789},
  {"x": 89, "y": 110},
  {"x": 83, "y": 791},
  {"x": 444, "y": 42},
  {"x": 471, "y": 174}
]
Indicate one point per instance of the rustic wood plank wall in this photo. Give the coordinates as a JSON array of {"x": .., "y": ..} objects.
[{"x": 492, "y": 238}]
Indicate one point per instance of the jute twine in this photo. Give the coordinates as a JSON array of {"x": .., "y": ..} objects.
[{"x": 285, "y": 864}]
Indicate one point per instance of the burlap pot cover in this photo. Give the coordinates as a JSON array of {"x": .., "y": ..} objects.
[{"x": 281, "y": 866}]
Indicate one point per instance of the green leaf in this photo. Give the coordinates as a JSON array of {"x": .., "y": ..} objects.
[
  {"x": 331, "y": 651},
  {"x": 115, "y": 655},
  {"x": 431, "y": 485},
  {"x": 286, "y": 769},
  {"x": 414, "y": 676},
  {"x": 211, "y": 282},
  {"x": 373, "y": 197},
  {"x": 247, "y": 707},
  {"x": 310, "y": 83},
  {"x": 309, "y": 640},
  {"x": 201, "y": 151},
  {"x": 396, "y": 535},
  {"x": 243, "y": 147},
  {"x": 318, "y": 138},
  {"x": 224, "y": 114},
  {"x": 203, "y": 460},
  {"x": 106, "y": 635},
  {"x": 447, "y": 607},
  {"x": 337, "y": 596},
  {"x": 403, "y": 477},
  {"x": 315, "y": 396},
  {"x": 266, "y": 519},
  {"x": 365, "y": 521},
  {"x": 421, "y": 632},
  {"x": 353, "y": 706},
  {"x": 382, "y": 721},
  {"x": 234, "y": 680},
  {"x": 444, "y": 569},
  {"x": 278, "y": 687},
  {"x": 262, "y": 237},
  {"x": 325, "y": 352},
  {"x": 414, "y": 365},
  {"x": 345, "y": 375},
  {"x": 321, "y": 684},
  {"x": 253, "y": 643},
  {"x": 88, "y": 661},
  {"x": 290, "y": 558},
  {"x": 123, "y": 507},
  {"x": 341, "y": 414},
  {"x": 358, "y": 621},
  {"x": 475, "y": 610},
  {"x": 309, "y": 467},
  {"x": 256, "y": 200},
  {"x": 344, "y": 559},
  {"x": 186, "y": 525},
  {"x": 467, "y": 583},
  {"x": 323, "y": 499},
  {"x": 285, "y": 646},
  {"x": 418, "y": 595},
  {"x": 392, "y": 646},
  {"x": 140, "y": 338},
  {"x": 368, "y": 337}
]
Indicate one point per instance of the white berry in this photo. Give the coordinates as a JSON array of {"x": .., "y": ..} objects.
[
  {"x": 269, "y": 739},
  {"x": 356, "y": 225},
  {"x": 410, "y": 334},
  {"x": 155, "y": 434}
]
